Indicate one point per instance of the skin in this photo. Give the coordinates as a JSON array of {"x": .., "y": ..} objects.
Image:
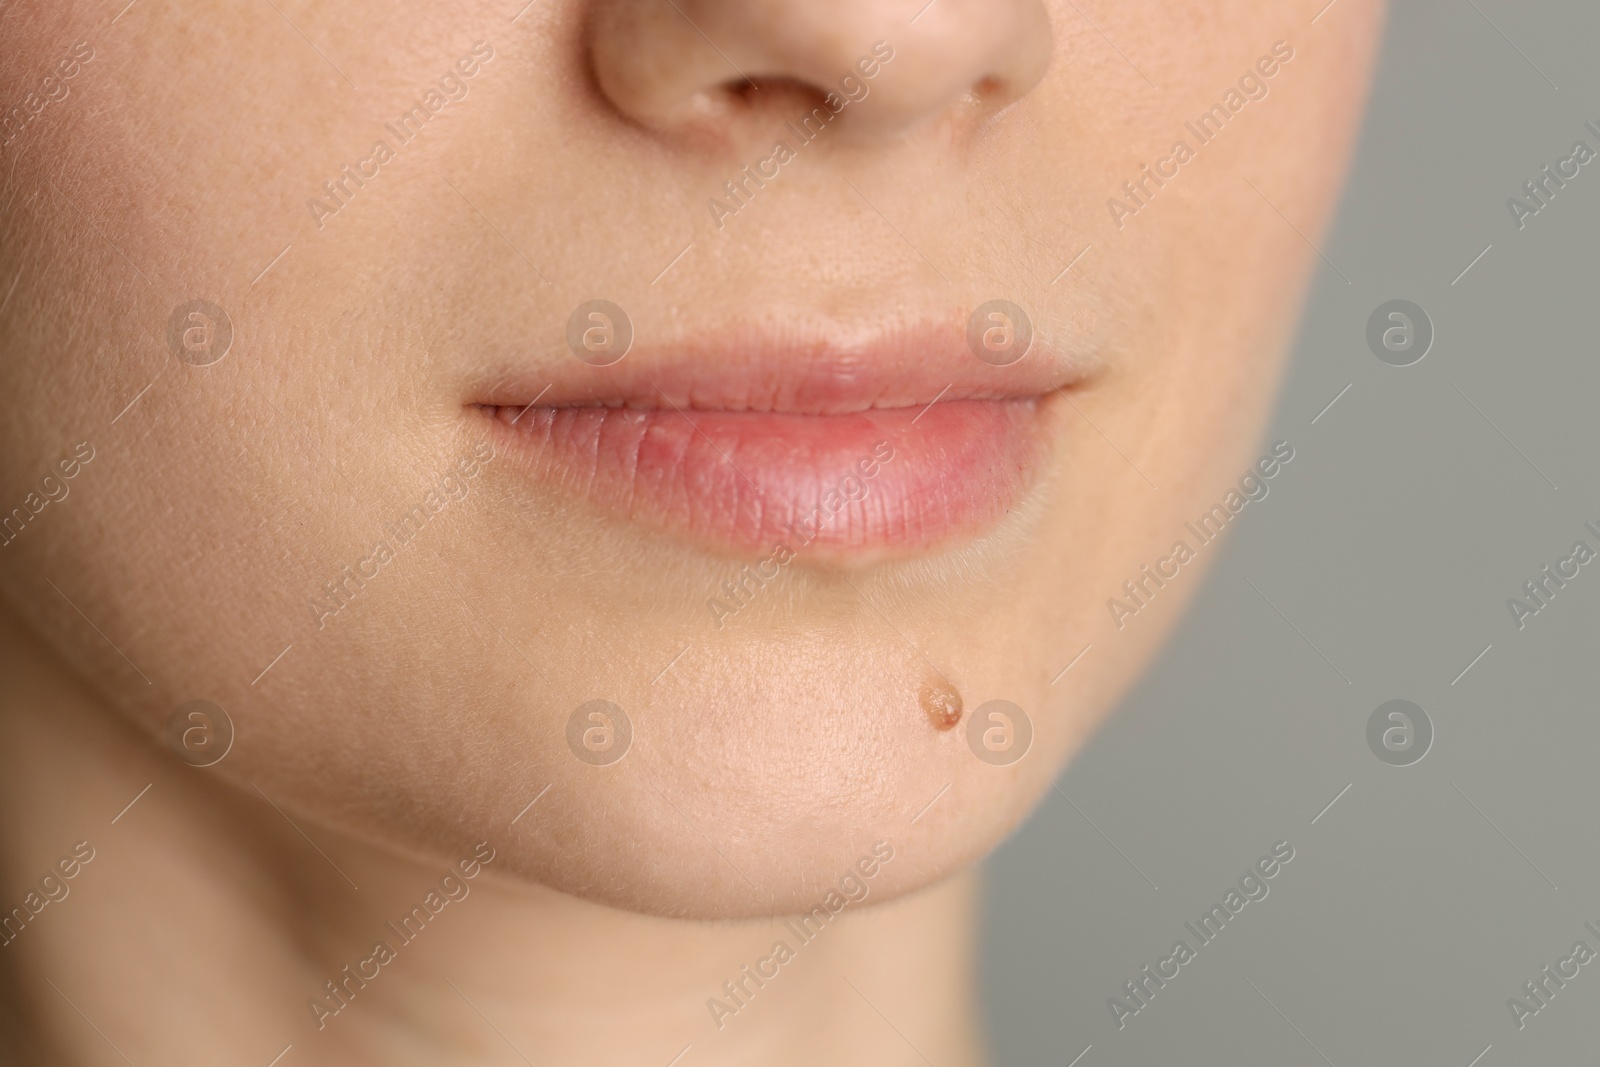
[{"x": 768, "y": 754}]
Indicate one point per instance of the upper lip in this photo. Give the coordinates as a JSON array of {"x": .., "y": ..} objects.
[{"x": 791, "y": 371}]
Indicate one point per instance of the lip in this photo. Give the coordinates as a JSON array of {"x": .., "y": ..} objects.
[{"x": 831, "y": 447}]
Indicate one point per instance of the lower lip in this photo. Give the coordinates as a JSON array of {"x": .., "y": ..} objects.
[{"x": 882, "y": 482}]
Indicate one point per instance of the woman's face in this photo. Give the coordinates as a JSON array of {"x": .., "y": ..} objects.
[{"x": 798, "y": 378}]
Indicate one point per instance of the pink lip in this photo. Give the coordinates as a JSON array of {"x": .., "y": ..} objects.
[{"x": 889, "y": 446}]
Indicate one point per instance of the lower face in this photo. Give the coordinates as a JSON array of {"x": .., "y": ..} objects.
[{"x": 799, "y": 537}]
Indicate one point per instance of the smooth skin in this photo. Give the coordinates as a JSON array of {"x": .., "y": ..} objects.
[{"x": 378, "y": 745}]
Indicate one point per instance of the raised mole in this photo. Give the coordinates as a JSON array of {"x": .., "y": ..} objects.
[{"x": 942, "y": 704}]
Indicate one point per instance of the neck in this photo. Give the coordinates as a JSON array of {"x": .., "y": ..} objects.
[{"x": 205, "y": 925}]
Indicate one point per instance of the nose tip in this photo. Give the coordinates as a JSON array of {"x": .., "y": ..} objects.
[{"x": 882, "y": 66}]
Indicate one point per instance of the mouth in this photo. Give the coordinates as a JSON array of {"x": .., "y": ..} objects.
[{"x": 887, "y": 446}]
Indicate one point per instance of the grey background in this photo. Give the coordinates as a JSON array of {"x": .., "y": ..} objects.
[{"x": 1428, "y": 894}]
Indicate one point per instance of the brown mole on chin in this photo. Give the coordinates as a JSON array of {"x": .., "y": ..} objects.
[{"x": 942, "y": 704}]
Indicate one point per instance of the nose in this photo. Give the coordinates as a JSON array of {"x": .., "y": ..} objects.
[{"x": 881, "y": 66}]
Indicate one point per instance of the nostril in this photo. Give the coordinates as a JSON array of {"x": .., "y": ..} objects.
[
  {"x": 987, "y": 94},
  {"x": 762, "y": 100},
  {"x": 754, "y": 103},
  {"x": 777, "y": 95}
]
